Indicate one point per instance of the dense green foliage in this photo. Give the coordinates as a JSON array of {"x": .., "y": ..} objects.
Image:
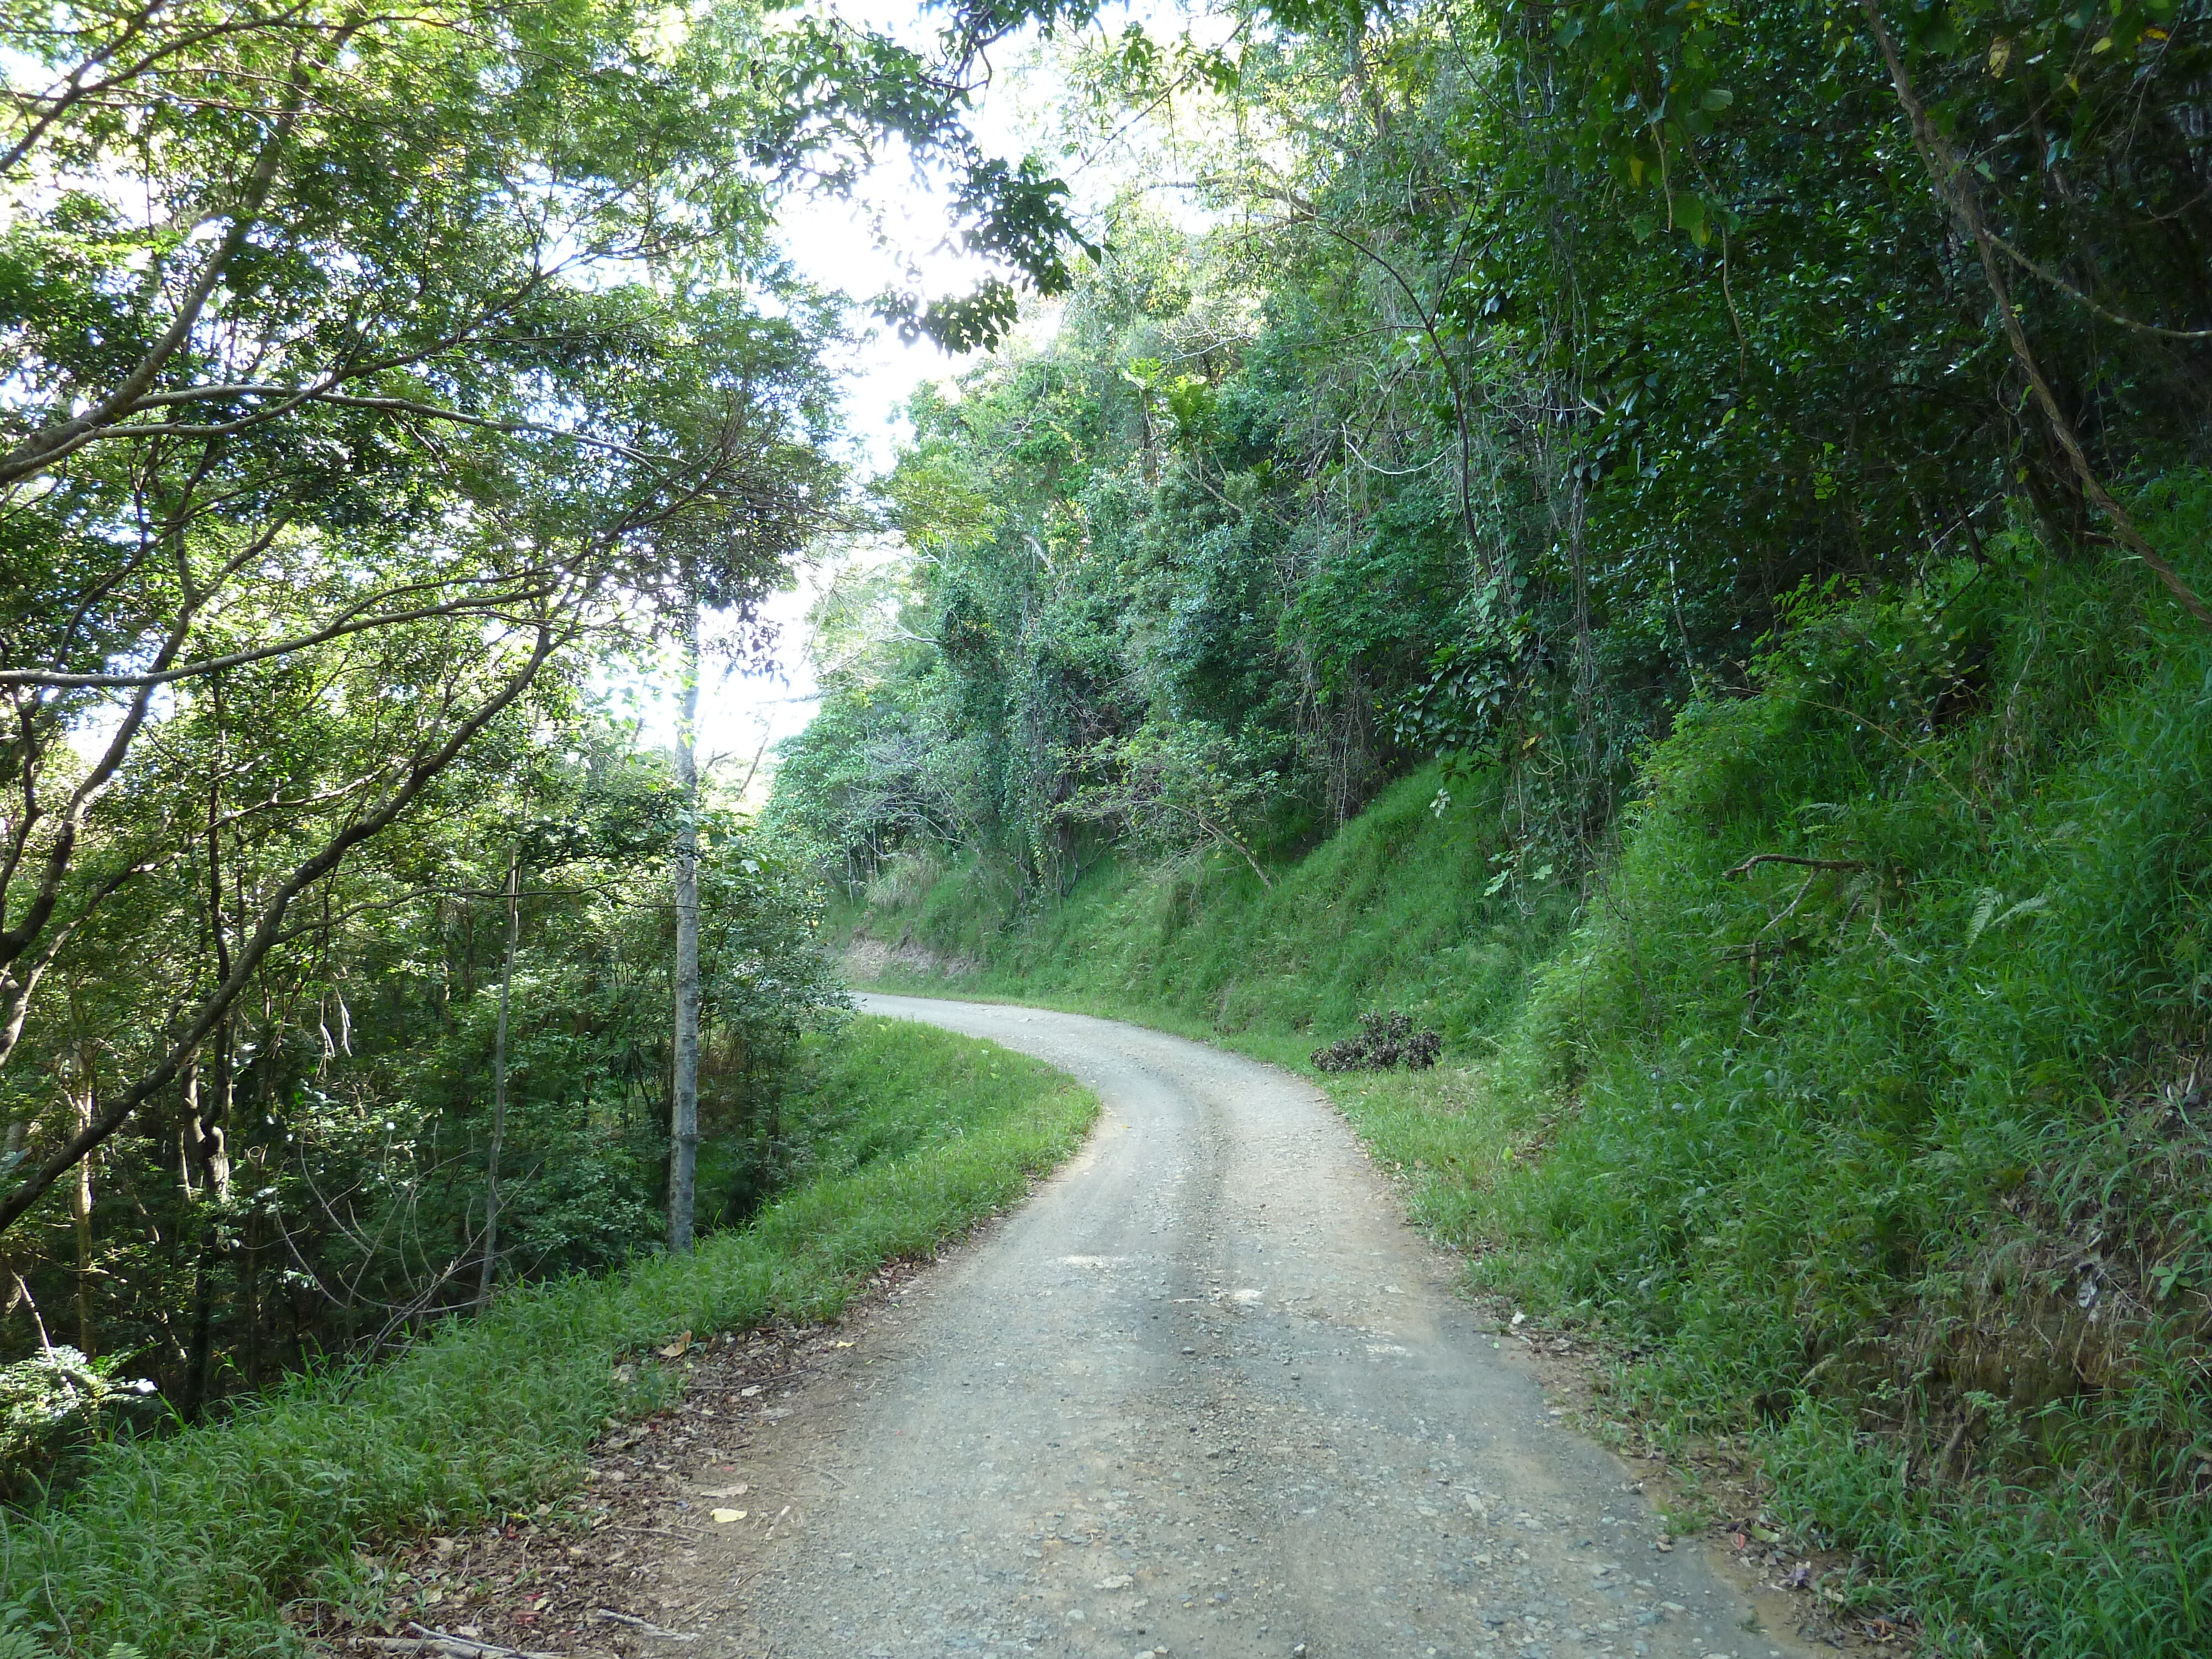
[
  {"x": 1538, "y": 361},
  {"x": 319, "y": 1179},
  {"x": 376, "y": 383},
  {"x": 369, "y": 385},
  {"x": 1904, "y": 1158},
  {"x": 1891, "y": 1162},
  {"x": 1659, "y": 539},
  {"x": 901, "y": 1137}
]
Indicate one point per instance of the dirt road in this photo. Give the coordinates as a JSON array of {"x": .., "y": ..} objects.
[{"x": 1206, "y": 1394}]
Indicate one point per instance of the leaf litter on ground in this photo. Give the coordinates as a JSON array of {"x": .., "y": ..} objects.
[{"x": 580, "y": 1577}]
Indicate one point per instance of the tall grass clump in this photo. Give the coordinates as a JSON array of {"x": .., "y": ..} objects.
[{"x": 193, "y": 1544}]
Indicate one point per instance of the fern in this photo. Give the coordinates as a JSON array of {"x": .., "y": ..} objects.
[
  {"x": 1987, "y": 915},
  {"x": 1985, "y": 906},
  {"x": 22, "y": 1644}
]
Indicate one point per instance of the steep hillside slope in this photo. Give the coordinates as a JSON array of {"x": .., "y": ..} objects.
[
  {"x": 1857, "y": 1095},
  {"x": 1392, "y": 909}
]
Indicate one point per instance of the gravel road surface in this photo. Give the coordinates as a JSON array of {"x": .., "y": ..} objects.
[{"x": 1206, "y": 1394}]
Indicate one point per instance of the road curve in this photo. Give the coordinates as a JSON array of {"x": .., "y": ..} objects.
[{"x": 1207, "y": 1394}]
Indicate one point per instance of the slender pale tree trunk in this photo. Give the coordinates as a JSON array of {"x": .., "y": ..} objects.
[
  {"x": 683, "y": 1150},
  {"x": 81, "y": 1101},
  {"x": 210, "y": 1124},
  {"x": 499, "y": 1086}
]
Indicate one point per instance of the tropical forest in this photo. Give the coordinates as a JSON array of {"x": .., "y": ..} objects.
[{"x": 1334, "y": 829}]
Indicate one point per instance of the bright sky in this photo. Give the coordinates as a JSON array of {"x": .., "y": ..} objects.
[{"x": 831, "y": 243}]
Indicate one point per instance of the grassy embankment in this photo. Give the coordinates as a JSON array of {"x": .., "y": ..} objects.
[
  {"x": 192, "y": 1545},
  {"x": 1890, "y": 1167}
]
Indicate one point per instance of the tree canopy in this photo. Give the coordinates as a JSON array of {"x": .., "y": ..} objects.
[
  {"x": 1526, "y": 369},
  {"x": 378, "y": 384}
]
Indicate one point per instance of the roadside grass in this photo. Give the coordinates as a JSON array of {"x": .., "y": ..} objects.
[
  {"x": 195, "y": 1544},
  {"x": 1392, "y": 909},
  {"x": 1889, "y": 1163}
]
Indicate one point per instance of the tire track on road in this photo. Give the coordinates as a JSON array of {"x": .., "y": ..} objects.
[{"x": 1206, "y": 1393}]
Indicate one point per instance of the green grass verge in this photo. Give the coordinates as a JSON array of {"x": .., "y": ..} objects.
[
  {"x": 192, "y": 1545},
  {"x": 1891, "y": 1167}
]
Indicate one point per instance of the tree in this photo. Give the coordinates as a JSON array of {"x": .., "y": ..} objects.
[
  {"x": 1172, "y": 788},
  {"x": 735, "y": 463},
  {"x": 1955, "y": 186},
  {"x": 1539, "y": 363},
  {"x": 375, "y": 355},
  {"x": 499, "y": 1083},
  {"x": 683, "y": 1095}
]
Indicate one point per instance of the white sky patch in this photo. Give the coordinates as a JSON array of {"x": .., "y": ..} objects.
[{"x": 743, "y": 715}]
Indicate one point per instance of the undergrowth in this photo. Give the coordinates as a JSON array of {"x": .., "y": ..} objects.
[
  {"x": 1861, "y": 1093},
  {"x": 1391, "y": 911},
  {"x": 194, "y": 1544}
]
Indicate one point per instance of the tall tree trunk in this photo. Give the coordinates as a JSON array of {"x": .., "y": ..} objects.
[
  {"x": 199, "y": 1356},
  {"x": 499, "y": 1085},
  {"x": 1587, "y": 735},
  {"x": 252, "y": 1292},
  {"x": 80, "y": 1213},
  {"x": 683, "y": 1138},
  {"x": 207, "y": 1126},
  {"x": 249, "y": 1294}
]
